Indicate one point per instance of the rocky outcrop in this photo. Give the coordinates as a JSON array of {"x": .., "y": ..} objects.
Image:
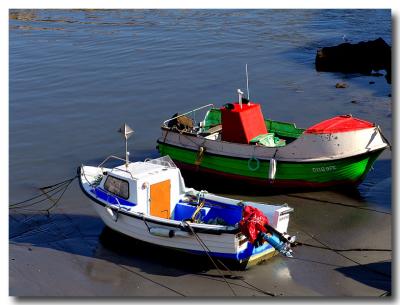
[
  {"x": 341, "y": 85},
  {"x": 363, "y": 57}
]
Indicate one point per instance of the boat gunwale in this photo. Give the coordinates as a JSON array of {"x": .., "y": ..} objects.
[
  {"x": 381, "y": 149},
  {"x": 275, "y": 149}
]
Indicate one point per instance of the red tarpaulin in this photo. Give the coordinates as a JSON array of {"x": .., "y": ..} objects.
[
  {"x": 341, "y": 123},
  {"x": 252, "y": 223}
]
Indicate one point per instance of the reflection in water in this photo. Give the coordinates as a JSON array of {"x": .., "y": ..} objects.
[
  {"x": 24, "y": 15},
  {"x": 32, "y": 28},
  {"x": 283, "y": 273},
  {"x": 106, "y": 273}
]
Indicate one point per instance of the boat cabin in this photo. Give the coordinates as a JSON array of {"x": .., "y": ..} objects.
[
  {"x": 144, "y": 187},
  {"x": 156, "y": 188}
]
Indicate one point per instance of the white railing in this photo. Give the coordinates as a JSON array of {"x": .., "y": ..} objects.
[
  {"x": 163, "y": 161},
  {"x": 189, "y": 112},
  {"x": 115, "y": 168}
]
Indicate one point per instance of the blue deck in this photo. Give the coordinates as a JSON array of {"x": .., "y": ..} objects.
[{"x": 212, "y": 210}]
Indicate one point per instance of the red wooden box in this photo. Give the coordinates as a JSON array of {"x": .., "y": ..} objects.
[{"x": 240, "y": 125}]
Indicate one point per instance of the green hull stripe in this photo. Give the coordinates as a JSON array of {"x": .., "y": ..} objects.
[{"x": 352, "y": 169}]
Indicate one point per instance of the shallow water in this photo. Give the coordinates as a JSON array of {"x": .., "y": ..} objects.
[{"x": 77, "y": 75}]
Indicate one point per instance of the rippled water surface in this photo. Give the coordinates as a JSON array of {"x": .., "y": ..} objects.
[{"x": 77, "y": 75}]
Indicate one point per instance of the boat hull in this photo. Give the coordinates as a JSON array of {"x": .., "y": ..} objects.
[
  {"x": 343, "y": 171},
  {"x": 218, "y": 243}
]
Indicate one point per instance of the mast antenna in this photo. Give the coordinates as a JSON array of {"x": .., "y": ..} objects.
[
  {"x": 247, "y": 81},
  {"x": 126, "y": 132}
]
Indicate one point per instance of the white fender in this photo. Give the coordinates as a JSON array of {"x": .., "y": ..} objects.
[
  {"x": 163, "y": 232},
  {"x": 112, "y": 213},
  {"x": 272, "y": 169}
]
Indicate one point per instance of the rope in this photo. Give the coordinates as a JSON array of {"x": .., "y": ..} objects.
[
  {"x": 338, "y": 203},
  {"x": 325, "y": 246},
  {"x": 206, "y": 250},
  {"x": 61, "y": 182},
  {"x": 247, "y": 283},
  {"x": 145, "y": 222},
  {"x": 190, "y": 139},
  {"x": 199, "y": 207},
  {"x": 58, "y": 199},
  {"x": 59, "y": 187},
  {"x": 295, "y": 244},
  {"x": 17, "y": 206},
  {"x": 384, "y": 138},
  {"x": 148, "y": 279},
  {"x": 54, "y": 187}
]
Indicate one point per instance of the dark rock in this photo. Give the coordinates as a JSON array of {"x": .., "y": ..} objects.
[
  {"x": 341, "y": 85},
  {"x": 371, "y": 82},
  {"x": 389, "y": 95},
  {"x": 354, "y": 102},
  {"x": 362, "y": 57}
]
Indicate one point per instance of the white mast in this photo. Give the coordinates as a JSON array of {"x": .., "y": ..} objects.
[
  {"x": 240, "y": 97},
  {"x": 247, "y": 81},
  {"x": 126, "y": 132}
]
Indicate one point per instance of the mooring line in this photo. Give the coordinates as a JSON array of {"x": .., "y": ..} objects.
[
  {"x": 59, "y": 187},
  {"x": 207, "y": 250},
  {"x": 59, "y": 198},
  {"x": 37, "y": 196},
  {"x": 247, "y": 283},
  {"x": 338, "y": 203},
  {"x": 149, "y": 279},
  {"x": 61, "y": 182},
  {"x": 350, "y": 259},
  {"x": 343, "y": 250},
  {"x": 35, "y": 202}
]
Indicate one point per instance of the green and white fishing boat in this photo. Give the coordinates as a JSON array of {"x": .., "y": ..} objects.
[{"x": 235, "y": 141}]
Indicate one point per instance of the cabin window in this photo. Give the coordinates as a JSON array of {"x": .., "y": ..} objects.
[{"x": 117, "y": 186}]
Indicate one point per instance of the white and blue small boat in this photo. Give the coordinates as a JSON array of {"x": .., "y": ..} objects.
[{"x": 150, "y": 202}]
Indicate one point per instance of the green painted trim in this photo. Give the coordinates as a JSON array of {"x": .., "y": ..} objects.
[
  {"x": 352, "y": 169},
  {"x": 284, "y": 129}
]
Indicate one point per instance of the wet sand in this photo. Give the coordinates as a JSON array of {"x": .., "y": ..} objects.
[{"x": 71, "y": 253}]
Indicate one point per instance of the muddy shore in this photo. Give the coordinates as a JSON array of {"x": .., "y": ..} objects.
[{"x": 98, "y": 262}]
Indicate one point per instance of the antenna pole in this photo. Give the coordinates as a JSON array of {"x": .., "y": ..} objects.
[
  {"x": 247, "y": 80},
  {"x": 126, "y": 132},
  {"x": 126, "y": 152},
  {"x": 240, "y": 93}
]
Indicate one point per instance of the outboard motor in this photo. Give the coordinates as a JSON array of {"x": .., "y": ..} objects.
[{"x": 254, "y": 225}]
